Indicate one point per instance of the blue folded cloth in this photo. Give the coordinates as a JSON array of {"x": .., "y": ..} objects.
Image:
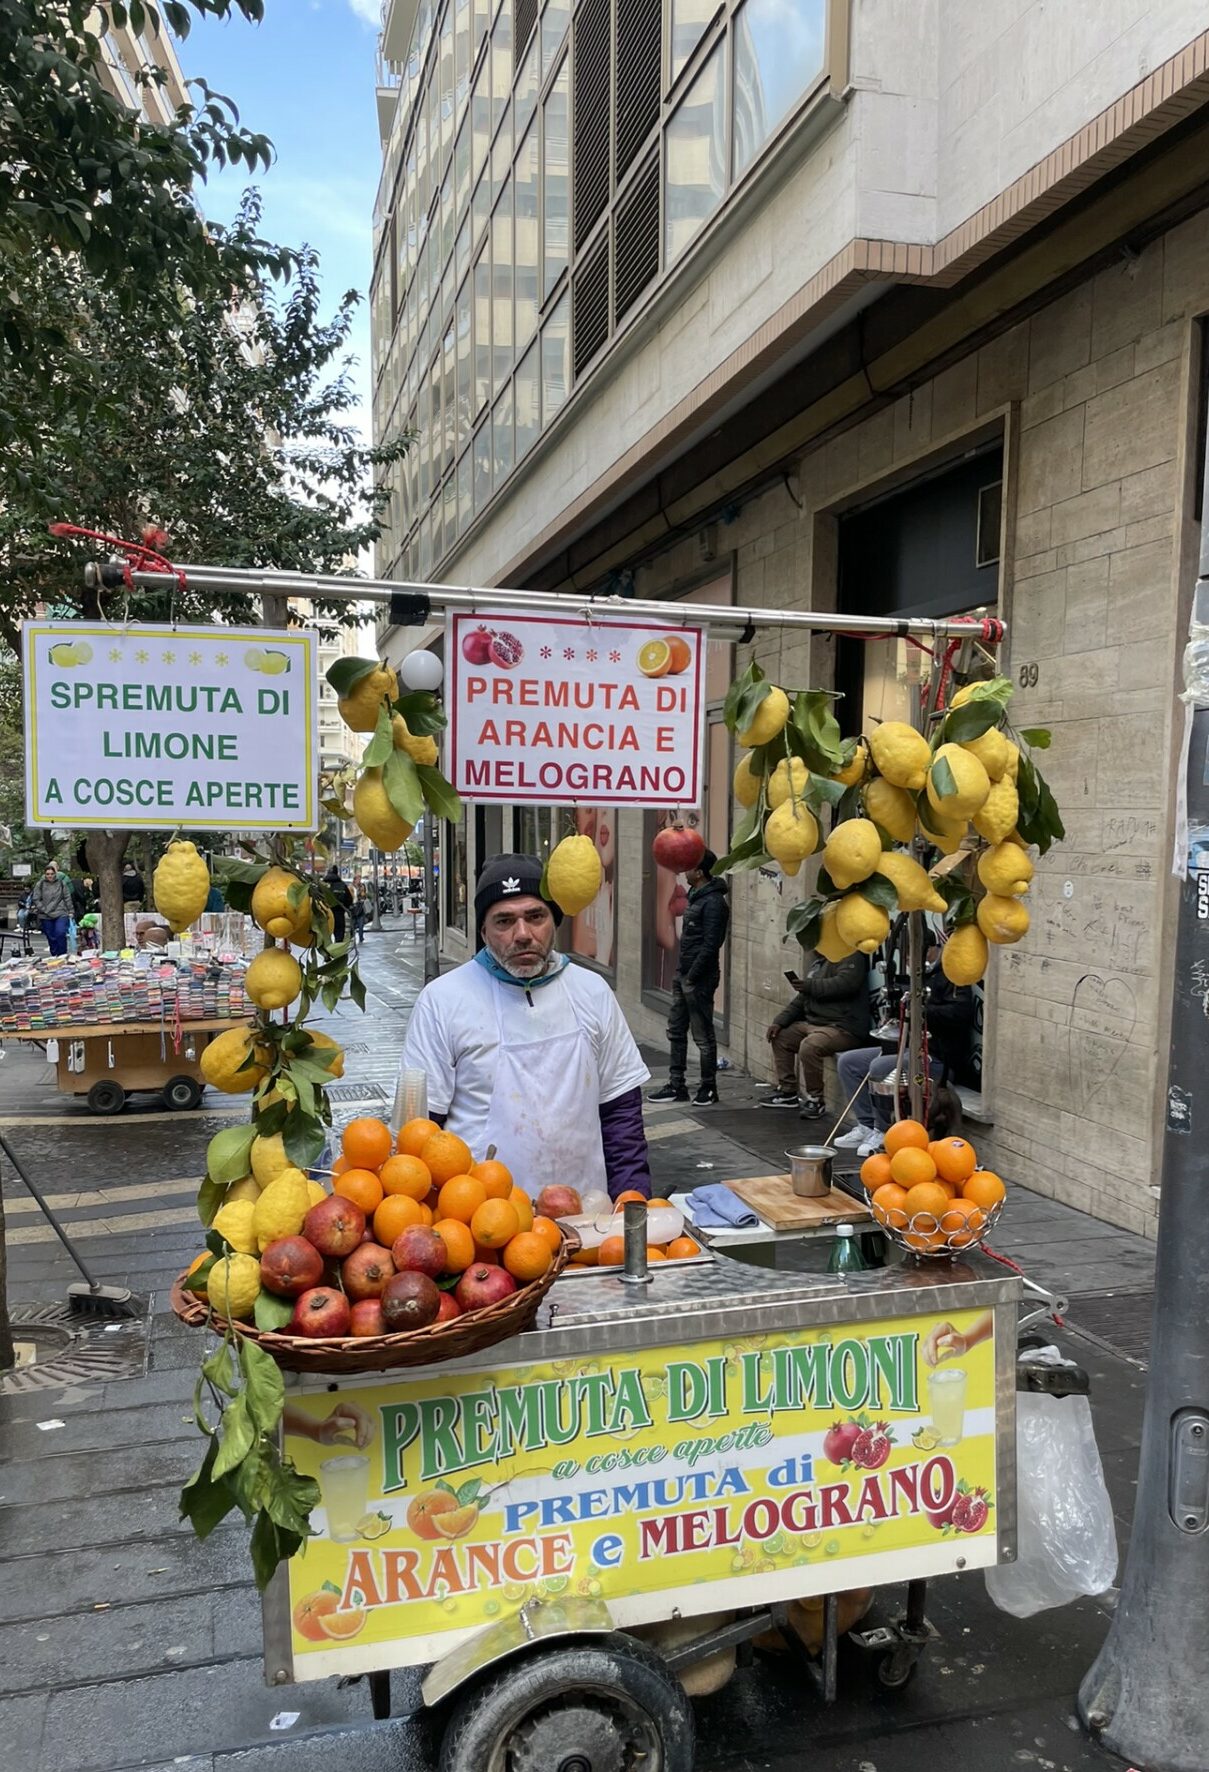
[{"x": 717, "y": 1205}]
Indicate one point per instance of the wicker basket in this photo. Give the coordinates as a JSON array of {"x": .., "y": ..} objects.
[{"x": 439, "y": 1342}]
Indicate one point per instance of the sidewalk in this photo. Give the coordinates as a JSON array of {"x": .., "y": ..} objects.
[{"x": 123, "y": 1643}]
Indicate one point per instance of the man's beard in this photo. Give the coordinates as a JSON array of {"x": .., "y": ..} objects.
[{"x": 529, "y": 965}]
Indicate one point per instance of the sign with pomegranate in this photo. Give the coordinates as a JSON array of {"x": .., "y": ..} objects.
[
  {"x": 769, "y": 1467},
  {"x": 598, "y": 713}
]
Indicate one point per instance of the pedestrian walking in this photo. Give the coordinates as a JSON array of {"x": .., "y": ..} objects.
[
  {"x": 830, "y": 1014},
  {"x": 51, "y": 904},
  {"x": 342, "y": 902},
  {"x": 361, "y": 913},
  {"x": 133, "y": 887},
  {"x": 698, "y": 973}
]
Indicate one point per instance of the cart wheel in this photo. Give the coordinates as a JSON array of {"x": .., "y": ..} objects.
[
  {"x": 609, "y": 1705},
  {"x": 181, "y": 1093},
  {"x": 897, "y": 1669},
  {"x": 106, "y": 1098}
]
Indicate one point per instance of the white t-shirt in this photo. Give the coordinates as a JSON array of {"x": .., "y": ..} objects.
[{"x": 454, "y": 1035}]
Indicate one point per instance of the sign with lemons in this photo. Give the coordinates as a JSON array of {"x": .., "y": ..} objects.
[
  {"x": 130, "y": 727},
  {"x": 701, "y": 1475}
]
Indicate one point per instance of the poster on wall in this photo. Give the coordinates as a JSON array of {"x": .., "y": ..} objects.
[{"x": 544, "y": 712}]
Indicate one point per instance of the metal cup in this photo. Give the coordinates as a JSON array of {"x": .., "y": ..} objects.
[{"x": 810, "y": 1169}]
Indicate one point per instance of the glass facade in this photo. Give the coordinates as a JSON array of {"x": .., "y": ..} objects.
[{"x": 477, "y": 341}]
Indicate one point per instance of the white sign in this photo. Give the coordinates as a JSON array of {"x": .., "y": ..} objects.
[
  {"x": 198, "y": 728},
  {"x": 22, "y": 870},
  {"x": 546, "y": 711}
]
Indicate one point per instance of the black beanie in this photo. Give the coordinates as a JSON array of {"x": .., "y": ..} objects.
[{"x": 509, "y": 876}]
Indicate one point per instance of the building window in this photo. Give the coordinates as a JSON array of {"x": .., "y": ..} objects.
[
  {"x": 501, "y": 436},
  {"x": 528, "y": 403},
  {"x": 556, "y": 360},
  {"x": 555, "y": 181},
  {"x": 695, "y": 181},
  {"x": 780, "y": 51},
  {"x": 555, "y": 20},
  {"x": 689, "y": 21},
  {"x": 482, "y": 465},
  {"x": 454, "y": 869}
]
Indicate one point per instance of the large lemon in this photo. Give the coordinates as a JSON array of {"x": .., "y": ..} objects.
[
  {"x": 915, "y": 890},
  {"x": 281, "y": 1208},
  {"x": 221, "y": 1061},
  {"x": 746, "y": 782},
  {"x": 1005, "y": 870},
  {"x": 1011, "y": 767},
  {"x": 233, "y": 1285},
  {"x": 359, "y": 708},
  {"x": 963, "y": 958},
  {"x": 770, "y": 718},
  {"x": 233, "y": 1222},
  {"x": 991, "y": 749},
  {"x": 948, "y": 838},
  {"x": 1002, "y": 920},
  {"x": 855, "y": 770},
  {"x": 274, "y": 979},
  {"x": 787, "y": 781},
  {"x": 325, "y": 1043},
  {"x": 900, "y": 754},
  {"x": 180, "y": 885},
  {"x": 852, "y": 851},
  {"x": 860, "y": 923},
  {"x": 829, "y": 943},
  {"x": 268, "y": 1160},
  {"x": 791, "y": 834},
  {"x": 374, "y": 813},
  {"x": 892, "y": 808},
  {"x": 247, "y": 1189},
  {"x": 420, "y": 750},
  {"x": 972, "y": 784},
  {"x": 272, "y": 909},
  {"x": 996, "y": 817},
  {"x": 574, "y": 874}
]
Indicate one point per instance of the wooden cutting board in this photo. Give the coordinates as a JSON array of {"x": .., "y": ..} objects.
[{"x": 774, "y": 1199}]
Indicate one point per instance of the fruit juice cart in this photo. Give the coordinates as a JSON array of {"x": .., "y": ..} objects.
[{"x": 561, "y": 1527}]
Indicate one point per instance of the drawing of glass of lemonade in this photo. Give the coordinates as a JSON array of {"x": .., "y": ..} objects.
[
  {"x": 947, "y": 1399},
  {"x": 344, "y": 1484}
]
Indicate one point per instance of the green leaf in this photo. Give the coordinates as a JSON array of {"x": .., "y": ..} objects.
[
  {"x": 959, "y": 900},
  {"x": 196, "y": 1281},
  {"x": 749, "y": 853},
  {"x": 971, "y": 720},
  {"x": 821, "y": 792},
  {"x": 1038, "y": 738},
  {"x": 744, "y": 697},
  {"x": 381, "y": 744},
  {"x": 346, "y": 673},
  {"x": 942, "y": 778},
  {"x": 356, "y": 989},
  {"x": 216, "y": 1244},
  {"x": 205, "y": 1500},
  {"x": 423, "y": 713},
  {"x": 879, "y": 891},
  {"x": 442, "y": 799},
  {"x": 271, "y": 1312},
  {"x": 747, "y": 827},
  {"x": 269, "y": 1545},
  {"x": 813, "y": 718},
  {"x": 304, "y": 1139},
  {"x": 290, "y": 1498},
  {"x": 220, "y": 1370},
  {"x": 1039, "y": 821},
  {"x": 271, "y": 1119},
  {"x": 402, "y": 784},
  {"x": 229, "y": 869},
  {"x": 265, "y": 1389},
  {"x": 295, "y": 893},
  {"x": 227, "y": 1154},
  {"x": 210, "y": 1196},
  {"x": 995, "y": 689},
  {"x": 238, "y": 1436}
]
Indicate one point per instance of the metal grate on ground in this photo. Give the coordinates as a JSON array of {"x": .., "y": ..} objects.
[
  {"x": 356, "y": 1092},
  {"x": 76, "y": 1350},
  {"x": 1118, "y": 1322}
]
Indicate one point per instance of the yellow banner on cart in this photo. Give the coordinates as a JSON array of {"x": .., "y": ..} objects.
[{"x": 449, "y": 1501}]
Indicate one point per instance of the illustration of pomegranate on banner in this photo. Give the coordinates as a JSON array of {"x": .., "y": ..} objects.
[{"x": 593, "y": 712}]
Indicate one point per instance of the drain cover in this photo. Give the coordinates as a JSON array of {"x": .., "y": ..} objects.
[
  {"x": 356, "y": 1092},
  {"x": 1118, "y": 1321},
  {"x": 72, "y": 1349}
]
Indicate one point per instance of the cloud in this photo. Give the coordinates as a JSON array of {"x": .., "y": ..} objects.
[{"x": 368, "y": 11}]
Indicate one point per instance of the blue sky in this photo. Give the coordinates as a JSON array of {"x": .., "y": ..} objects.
[{"x": 306, "y": 78}]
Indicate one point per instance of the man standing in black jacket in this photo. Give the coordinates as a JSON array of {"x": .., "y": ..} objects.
[
  {"x": 698, "y": 973},
  {"x": 830, "y": 1014}
]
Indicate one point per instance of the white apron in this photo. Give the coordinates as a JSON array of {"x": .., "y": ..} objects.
[{"x": 544, "y": 1116}]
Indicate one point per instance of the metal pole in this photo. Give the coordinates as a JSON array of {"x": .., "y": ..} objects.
[
  {"x": 1147, "y": 1695},
  {"x": 377, "y": 922},
  {"x": 432, "y": 913}
]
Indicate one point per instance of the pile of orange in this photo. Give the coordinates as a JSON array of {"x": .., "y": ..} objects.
[
  {"x": 429, "y": 1176},
  {"x": 930, "y": 1191},
  {"x": 610, "y": 1252}
]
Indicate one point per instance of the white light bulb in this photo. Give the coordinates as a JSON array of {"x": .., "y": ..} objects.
[{"x": 422, "y": 670}]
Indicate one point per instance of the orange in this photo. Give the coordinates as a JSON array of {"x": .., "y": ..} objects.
[
  {"x": 611, "y": 1252},
  {"x": 653, "y": 1203},
  {"x": 655, "y": 1253},
  {"x": 984, "y": 1188},
  {"x": 362, "y": 1187},
  {"x": 461, "y": 1198},
  {"x": 923, "y": 1241},
  {"x": 395, "y": 1213},
  {"x": 909, "y": 1166},
  {"x": 523, "y": 1205},
  {"x": 367, "y": 1143},
  {"x": 415, "y": 1135},
  {"x": 962, "y": 1223},
  {"x": 954, "y": 1159},
  {"x": 583, "y": 1258},
  {"x": 905, "y": 1133},
  {"x": 340, "y": 1165},
  {"x": 875, "y": 1171},
  {"x": 890, "y": 1204},
  {"x": 446, "y": 1156},
  {"x": 926, "y": 1200},
  {"x": 425, "y": 1212},
  {"x": 459, "y": 1244},
  {"x": 495, "y": 1223},
  {"x": 405, "y": 1175},
  {"x": 631, "y": 1193},
  {"x": 527, "y": 1255},
  {"x": 546, "y": 1227},
  {"x": 495, "y": 1178},
  {"x": 680, "y": 1248}
]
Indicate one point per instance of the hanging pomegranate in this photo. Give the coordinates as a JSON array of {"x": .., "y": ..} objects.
[{"x": 678, "y": 848}]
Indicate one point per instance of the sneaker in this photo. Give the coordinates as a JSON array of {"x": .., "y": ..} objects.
[
  {"x": 813, "y": 1107},
  {"x": 706, "y": 1096},
  {"x": 669, "y": 1092},
  {"x": 780, "y": 1098},
  {"x": 852, "y": 1141},
  {"x": 872, "y": 1145}
]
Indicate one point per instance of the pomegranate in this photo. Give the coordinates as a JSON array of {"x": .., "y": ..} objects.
[
  {"x": 291, "y": 1266},
  {"x": 481, "y": 1285},
  {"x": 476, "y": 646},
  {"x": 419, "y": 1250},
  {"x": 506, "y": 650},
  {"x": 559, "y": 1202},
  {"x": 872, "y": 1447},
  {"x": 367, "y": 1318},
  {"x": 335, "y": 1226},
  {"x": 321, "y": 1311},
  {"x": 839, "y": 1441},
  {"x": 449, "y": 1308},
  {"x": 366, "y": 1271},
  {"x": 678, "y": 849},
  {"x": 970, "y": 1511},
  {"x": 410, "y": 1301}
]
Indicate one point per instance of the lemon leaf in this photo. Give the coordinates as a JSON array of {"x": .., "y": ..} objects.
[
  {"x": 196, "y": 1281},
  {"x": 205, "y": 1501},
  {"x": 227, "y": 1154},
  {"x": 744, "y": 697},
  {"x": 746, "y": 827},
  {"x": 402, "y": 784},
  {"x": 879, "y": 891},
  {"x": 813, "y": 718},
  {"x": 210, "y": 1196},
  {"x": 1038, "y": 738},
  {"x": 346, "y": 673},
  {"x": 971, "y": 720},
  {"x": 423, "y": 712},
  {"x": 230, "y": 868},
  {"x": 942, "y": 777},
  {"x": 271, "y": 1312},
  {"x": 264, "y": 1386},
  {"x": 303, "y": 1138},
  {"x": 238, "y": 1436},
  {"x": 441, "y": 797},
  {"x": 820, "y": 792},
  {"x": 748, "y": 854},
  {"x": 381, "y": 744}
]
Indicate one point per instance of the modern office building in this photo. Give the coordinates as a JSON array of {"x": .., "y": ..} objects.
[{"x": 868, "y": 308}]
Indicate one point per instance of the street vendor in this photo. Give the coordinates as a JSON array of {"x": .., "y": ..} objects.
[{"x": 526, "y": 1052}]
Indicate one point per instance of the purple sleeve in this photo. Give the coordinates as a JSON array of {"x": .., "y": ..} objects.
[{"x": 623, "y": 1139}]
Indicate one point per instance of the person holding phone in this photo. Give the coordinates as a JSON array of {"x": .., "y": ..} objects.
[{"x": 830, "y": 1014}]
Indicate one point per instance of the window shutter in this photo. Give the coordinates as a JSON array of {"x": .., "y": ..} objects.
[
  {"x": 637, "y": 235},
  {"x": 639, "y": 77},
  {"x": 590, "y": 74},
  {"x": 590, "y": 305}
]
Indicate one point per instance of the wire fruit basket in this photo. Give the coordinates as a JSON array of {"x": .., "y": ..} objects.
[{"x": 962, "y": 1226}]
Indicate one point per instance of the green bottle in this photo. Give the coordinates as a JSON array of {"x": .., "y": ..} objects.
[{"x": 846, "y": 1257}]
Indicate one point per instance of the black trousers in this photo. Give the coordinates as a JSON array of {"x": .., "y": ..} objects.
[{"x": 692, "y": 1009}]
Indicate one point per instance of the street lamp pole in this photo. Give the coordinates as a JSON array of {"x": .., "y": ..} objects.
[{"x": 377, "y": 922}]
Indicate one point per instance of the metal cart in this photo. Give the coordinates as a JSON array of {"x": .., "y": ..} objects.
[{"x": 107, "y": 1061}]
